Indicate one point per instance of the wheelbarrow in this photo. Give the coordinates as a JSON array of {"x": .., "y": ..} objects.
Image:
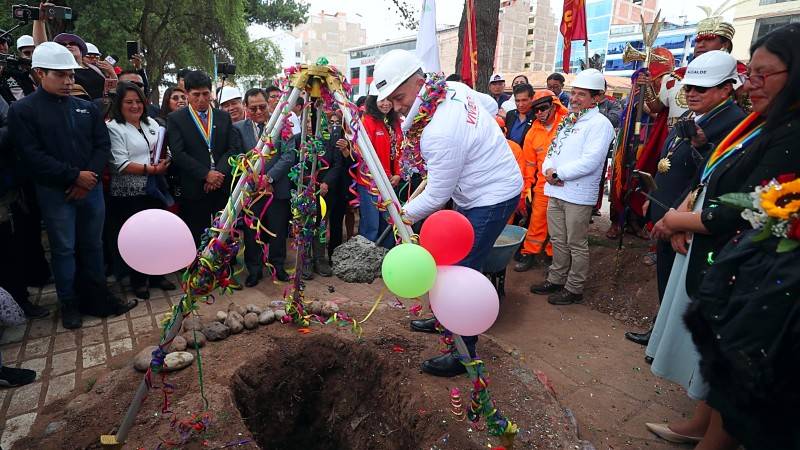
[{"x": 504, "y": 248}]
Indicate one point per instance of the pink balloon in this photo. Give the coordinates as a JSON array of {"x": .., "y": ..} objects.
[
  {"x": 464, "y": 300},
  {"x": 156, "y": 242}
]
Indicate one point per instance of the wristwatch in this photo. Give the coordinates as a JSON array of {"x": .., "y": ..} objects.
[{"x": 554, "y": 175}]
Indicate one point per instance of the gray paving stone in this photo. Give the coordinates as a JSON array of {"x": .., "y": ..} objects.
[
  {"x": 140, "y": 310},
  {"x": 49, "y": 298},
  {"x": 94, "y": 355},
  {"x": 118, "y": 330},
  {"x": 159, "y": 305},
  {"x": 38, "y": 365},
  {"x": 91, "y": 321},
  {"x": 92, "y": 335},
  {"x": 64, "y": 362},
  {"x": 11, "y": 352},
  {"x": 37, "y": 347},
  {"x": 59, "y": 387},
  {"x": 121, "y": 346},
  {"x": 17, "y": 428},
  {"x": 42, "y": 327},
  {"x": 65, "y": 341},
  {"x": 142, "y": 325},
  {"x": 24, "y": 399}
]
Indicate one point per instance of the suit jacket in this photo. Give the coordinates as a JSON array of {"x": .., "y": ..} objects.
[
  {"x": 190, "y": 151},
  {"x": 279, "y": 166},
  {"x": 511, "y": 117},
  {"x": 769, "y": 155},
  {"x": 686, "y": 161}
]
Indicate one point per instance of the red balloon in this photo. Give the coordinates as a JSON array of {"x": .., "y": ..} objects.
[{"x": 448, "y": 236}]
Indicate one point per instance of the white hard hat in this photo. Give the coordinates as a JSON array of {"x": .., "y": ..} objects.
[
  {"x": 590, "y": 79},
  {"x": 50, "y": 55},
  {"x": 25, "y": 40},
  {"x": 711, "y": 69},
  {"x": 372, "y": 89},
  {"x": 392, "y": 70},
  {"x": 496, "y": 77},
  {"x": 92, "y": 49},
  {"x": 229, "y": 93}
]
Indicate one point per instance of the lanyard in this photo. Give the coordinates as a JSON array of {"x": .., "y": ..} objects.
[{"x": 206, "y": 131}]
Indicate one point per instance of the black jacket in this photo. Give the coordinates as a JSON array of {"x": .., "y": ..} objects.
[
  {"x": 686, "y": 161},
  {"x": 511, "y": 118},
  {"x": 190, "y": 151},
  {"x": 56, "y": 137},
  {"x": 279, "y": 166},
  {"x": 770, "y": 155}
]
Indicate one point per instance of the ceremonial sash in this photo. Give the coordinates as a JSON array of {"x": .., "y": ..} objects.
[
  {"x": 734, "y": 142},
  {"x": 206, "y": 130}
]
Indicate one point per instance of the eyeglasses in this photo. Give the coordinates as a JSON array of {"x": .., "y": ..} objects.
[
  {"x": 178, "y": 97},
  {"x": 68, "y": 44},
  {"x": 760, "y": 79},
  {"x": 257, "y": 108},
  {"x": 542, "y": 108}
]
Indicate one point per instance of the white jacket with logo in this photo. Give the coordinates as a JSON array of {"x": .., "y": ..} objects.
[
  {"x": 578, "y": 159},
  {"x": 467, "y": 156}
]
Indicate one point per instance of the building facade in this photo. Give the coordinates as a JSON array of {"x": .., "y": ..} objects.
[
  {"x": 600, "y": 15},
  {"x": 542, "y": 35},
  {"x": 512, "y": 35},
  {"x": 679, "y": 39},
  {"x": 326, "y": 34},
  {"x": 755, "y": 18},
  {"x": 291, "y": 48},
  {"x": 360, "y": 61}
]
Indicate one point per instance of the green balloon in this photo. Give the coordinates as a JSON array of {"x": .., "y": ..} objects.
[{"x": 408, "y": 270}]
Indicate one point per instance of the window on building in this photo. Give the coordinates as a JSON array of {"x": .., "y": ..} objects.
[
  {"x": 771, "y": 2},
  {"x": 768, "y": 25},
  {"x": 370, "y": 70},
  {"x": 530, "y": 30},
  {"x": 354, "y": 72}
]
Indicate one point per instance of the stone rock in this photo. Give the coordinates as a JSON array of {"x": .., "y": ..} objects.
[
  {"x": 236, "y": 316},
  {"x": 233, "y": 324},
  {"x": 192, "y": 323},
  {"x": 358, "y": 260},
  {"x": 266, "y": 317},
  {"x": 216, "y": 331},
  {"x": 142, "y": 359},
  {"x": 238, "y": 308},
  {"x": 190, "y": 339},
  {"x": 221, "y": 316},
  {"x": 329, "y": 308},
  {"x": 250, "y": 320},
  {"x": 315, "y": 307},
  {"x": 177, "y": 345},
  {"x": 279, "y": 313},
  {"x": 54, "y": 427},
  {"x": 251, "y": 308},
  {"x": 177, "y": 361}
]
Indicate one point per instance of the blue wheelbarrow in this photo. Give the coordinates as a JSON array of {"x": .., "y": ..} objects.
[{"x": 504, "y": 248}]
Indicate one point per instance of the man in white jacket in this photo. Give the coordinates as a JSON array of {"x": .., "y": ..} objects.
[
  {"x": 572, "y": 168},
  {"x": 467, "y": 159}
]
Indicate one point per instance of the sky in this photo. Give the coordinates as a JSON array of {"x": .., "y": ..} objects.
[{"x": 380, "y": 18}]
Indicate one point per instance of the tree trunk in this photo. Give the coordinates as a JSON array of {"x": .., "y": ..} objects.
[{"x": 487, "y": 18}]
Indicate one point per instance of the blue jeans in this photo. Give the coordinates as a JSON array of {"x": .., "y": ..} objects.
[
  {"x": 488, "y": 222},
  {"x": 74, "y": 225},
  {"x": 371, "y": 221}
]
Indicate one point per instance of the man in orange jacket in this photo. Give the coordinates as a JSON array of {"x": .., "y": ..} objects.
[{"x": 549, "y": 112}]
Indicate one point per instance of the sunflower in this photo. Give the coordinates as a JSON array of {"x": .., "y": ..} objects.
[{"x": 782, "y": 201}]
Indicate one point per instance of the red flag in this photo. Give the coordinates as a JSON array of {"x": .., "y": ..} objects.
[
  {"x": 469, "y": 51},
  {"x": 573, "y": 27}
]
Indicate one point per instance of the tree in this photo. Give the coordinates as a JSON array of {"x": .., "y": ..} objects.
[
  {"x": 487, "y": 18},
  {"x": 182, "y": 33}
]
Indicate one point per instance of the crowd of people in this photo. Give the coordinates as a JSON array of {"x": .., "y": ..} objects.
[{"x": 83, "y": 149}]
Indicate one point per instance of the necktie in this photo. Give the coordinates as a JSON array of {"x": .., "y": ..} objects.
[
  {"x": 203, "y": 116},
  {"x": 260, "y": 129}
]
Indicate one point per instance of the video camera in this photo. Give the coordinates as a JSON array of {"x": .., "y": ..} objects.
[
  {"x": 226, "y": 69},
  {"x": 14, "y": 64},
  {"x": 26, "y": 13}
]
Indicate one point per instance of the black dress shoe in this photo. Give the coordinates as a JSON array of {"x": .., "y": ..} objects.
[
  {"x": 281, "y": 274},
  {"x": 33, "y": 311},
  {"x": 141, "y": 292},
  {"x": 525, "y": 263},
  {"x": 638, "y": 338},
  {"x": 648, "y": 359},
  {"x": 546, "y": 288},
  {"x": 564, "y": 297},
  {"x": 424, "y": 325},
  {"x": 71, "y": 317},
  {"x": 252, "y": 279},
  {"x": 444, "y": 366}
]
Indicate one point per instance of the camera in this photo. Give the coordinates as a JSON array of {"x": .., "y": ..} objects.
[
  {"x": 226, "y": 69},
  {"x": 14, "y": 64},
  {"x": 25, "y": 13},
  {"x": 686, "y": 128}
]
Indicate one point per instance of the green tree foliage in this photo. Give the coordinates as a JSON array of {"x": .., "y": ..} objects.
[{"x": 180, "y": 33}]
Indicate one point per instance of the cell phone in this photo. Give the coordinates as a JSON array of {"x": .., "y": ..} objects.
[
  {"x": 110, "y": 85},
  {"x": 110, "y": 59},
  {"x": 647, "y": 180},
  {"x": 133, "y": 48}
]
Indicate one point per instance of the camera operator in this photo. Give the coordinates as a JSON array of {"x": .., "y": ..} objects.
[
  {"x": 15, "y": 76},
  {"x": 25, "y": 46}
]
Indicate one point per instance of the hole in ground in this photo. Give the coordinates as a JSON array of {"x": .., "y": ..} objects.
[{"x": 326, "y": 393}]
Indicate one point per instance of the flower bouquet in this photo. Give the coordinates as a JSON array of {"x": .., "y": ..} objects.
[{"x": 774, "y": 208}]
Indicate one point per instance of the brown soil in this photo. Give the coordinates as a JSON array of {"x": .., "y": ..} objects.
[{"x": 275, "y": 388}]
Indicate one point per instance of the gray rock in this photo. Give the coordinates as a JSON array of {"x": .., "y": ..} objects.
[
  {"x": 279, "y": 313},
  {"x": 177, "y": 345},
  {"x": 251, "y": 308},
  {"x": 266, "y": 317},
  {"x": 235, "y": 325},
  {"x": 177, "y": 361},
  {"x": 236, "y": 316},
  {"x": 315, "y": 307},
  {"x": 215, "y": 331},
  {"x": 192, "y": 323},
  {"x": 190, "y": 339},
  {"x": 221, "y": 316},
  {"x": 142, "y": 359},
  {"x": 250, "y": 320},
  {"x": 54, "y": 427},
  {"x": 358, "y": 260},
  {"x": 329, "y": 308},
  {"x": 238, "y": 308}
]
